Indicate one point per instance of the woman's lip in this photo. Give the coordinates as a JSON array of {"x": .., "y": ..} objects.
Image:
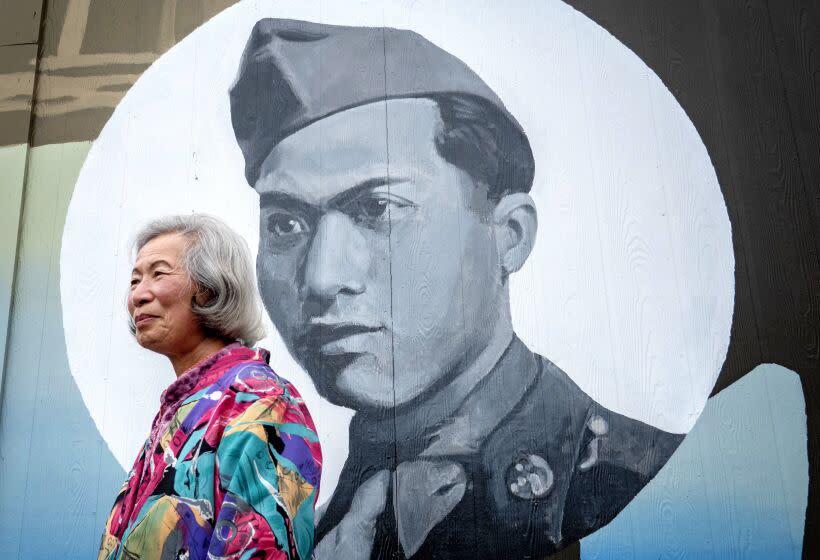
[{"x": 143, "y": 318}]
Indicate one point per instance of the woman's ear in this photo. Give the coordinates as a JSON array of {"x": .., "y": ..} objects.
[
  {"x": 202, "y": 297},
  {"x": 515, "y": 221}
]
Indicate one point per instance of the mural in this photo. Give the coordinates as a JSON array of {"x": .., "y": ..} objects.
[
  {"x": 398, "y": 198},
  {"x": 358, "y": 170},
  {"x": 502, "y": 273}
]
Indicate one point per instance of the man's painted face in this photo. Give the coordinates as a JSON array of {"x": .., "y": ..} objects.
[{"x": 377, "y": 261}]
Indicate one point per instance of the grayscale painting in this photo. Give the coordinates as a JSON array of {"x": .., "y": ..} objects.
[
  {"x": 491, "y": 245},
  {"x": 394, "y": 208}
]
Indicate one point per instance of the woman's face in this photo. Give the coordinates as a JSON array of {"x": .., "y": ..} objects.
[{"x": 160, "y": 298}]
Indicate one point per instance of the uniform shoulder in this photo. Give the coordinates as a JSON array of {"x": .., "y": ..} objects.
[
  {"x": 619, "y": 441},
  {"x": 555, "y": 390},
  {"x": 608, "y": 437},
  {"x": 617, "y": 457}
]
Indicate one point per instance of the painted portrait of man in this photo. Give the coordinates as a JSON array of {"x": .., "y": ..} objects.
[{"x": 394, "y": 201}]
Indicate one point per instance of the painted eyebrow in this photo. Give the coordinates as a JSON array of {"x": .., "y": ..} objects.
[
  {"x": 284, "y": 200},
  {"x": 287, "y": 200},
  {"x": 352, "y": 193}
]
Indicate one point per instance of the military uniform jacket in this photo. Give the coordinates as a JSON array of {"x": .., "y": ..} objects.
[{"x": 526, "y": 465}]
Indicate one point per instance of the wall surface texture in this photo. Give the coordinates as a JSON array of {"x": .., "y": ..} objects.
[{"x": 636, "y": 376}]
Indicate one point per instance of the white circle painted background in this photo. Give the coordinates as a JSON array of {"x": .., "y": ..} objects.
[{"x": 629, "y": 289}]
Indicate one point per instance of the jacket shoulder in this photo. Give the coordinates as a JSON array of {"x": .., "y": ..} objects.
[{"x": 256, "y": 377}]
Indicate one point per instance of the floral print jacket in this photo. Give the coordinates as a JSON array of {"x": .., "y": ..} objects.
[{"x": 231, "y": 469}]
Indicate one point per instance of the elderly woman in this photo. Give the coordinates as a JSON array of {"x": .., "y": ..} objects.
[{"x": 232, "y": 464}]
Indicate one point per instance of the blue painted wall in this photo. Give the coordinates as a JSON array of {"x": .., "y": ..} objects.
[{"x": 735, "y": 489}]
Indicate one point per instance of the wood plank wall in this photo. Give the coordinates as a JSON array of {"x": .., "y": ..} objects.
[
  {"x": 19, "y": 43},
  {"x": 747, "y": 72}
]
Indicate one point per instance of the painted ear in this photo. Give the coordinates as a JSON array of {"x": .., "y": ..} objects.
[{"x": 515, "y": 220}]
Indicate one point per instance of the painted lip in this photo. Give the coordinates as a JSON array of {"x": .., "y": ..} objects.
[
  {"x": 143, "y": 318},
  {"x": 326, "y": 335}
]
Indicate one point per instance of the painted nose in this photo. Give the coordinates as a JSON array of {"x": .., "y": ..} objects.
[{"x": 338, "y": 259}]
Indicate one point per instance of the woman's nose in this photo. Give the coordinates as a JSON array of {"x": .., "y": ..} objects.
[{"x": 140, "y": 294}]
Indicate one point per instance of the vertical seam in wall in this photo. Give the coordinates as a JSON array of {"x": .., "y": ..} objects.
[
  {"x": 793, "y": 136},
  {"x": 394, "y": 464},
  {"x": 730, "y": 186},
  {"x": 742, "y": 249},
  {"x": 790, "y": 120},
  {"x": 16, "y": 255},
  {"x": 34, "y": 94},
  {"x": 36, "y": 394},
  {"x": 789, "y": 115},
  {"x": 661, "y": 185},
  {"x": 594, "y": 182}
]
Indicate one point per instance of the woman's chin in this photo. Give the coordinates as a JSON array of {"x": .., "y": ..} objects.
[{"x": 149, "y": 342}]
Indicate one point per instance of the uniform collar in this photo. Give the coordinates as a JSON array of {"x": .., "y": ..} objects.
[
  {"x": 475, "y": 410},
  {"x": 486, "y": 407}
]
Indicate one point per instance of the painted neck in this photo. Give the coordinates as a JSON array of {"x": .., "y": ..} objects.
[{"x": 447, "y": 399}]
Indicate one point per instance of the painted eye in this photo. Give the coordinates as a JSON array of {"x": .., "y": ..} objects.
[
  {"x": 285, "y": 231},
  {"x": 376, "y": 208},
  {"x": 284, "y": 225},
  {"x": 373, "y": 207}
]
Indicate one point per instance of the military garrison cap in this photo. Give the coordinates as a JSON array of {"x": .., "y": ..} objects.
[{"x": 294, "y": 73}]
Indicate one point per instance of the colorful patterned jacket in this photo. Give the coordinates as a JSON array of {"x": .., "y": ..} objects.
[{"x": 231, "y": 469}]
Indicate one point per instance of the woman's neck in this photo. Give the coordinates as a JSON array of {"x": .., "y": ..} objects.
[{"x": 206, "y": 347}]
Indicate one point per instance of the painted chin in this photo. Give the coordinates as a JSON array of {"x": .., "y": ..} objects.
[
  {"x": 355, "y": 344},
  {"x": 361, "y": 382},
  {"x": 353, "y": 380}
]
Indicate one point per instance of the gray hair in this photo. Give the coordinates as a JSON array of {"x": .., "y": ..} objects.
[{"x": 218, "y": 262}]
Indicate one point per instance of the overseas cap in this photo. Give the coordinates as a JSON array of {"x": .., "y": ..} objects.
[{"x": 294, "y": 73}]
